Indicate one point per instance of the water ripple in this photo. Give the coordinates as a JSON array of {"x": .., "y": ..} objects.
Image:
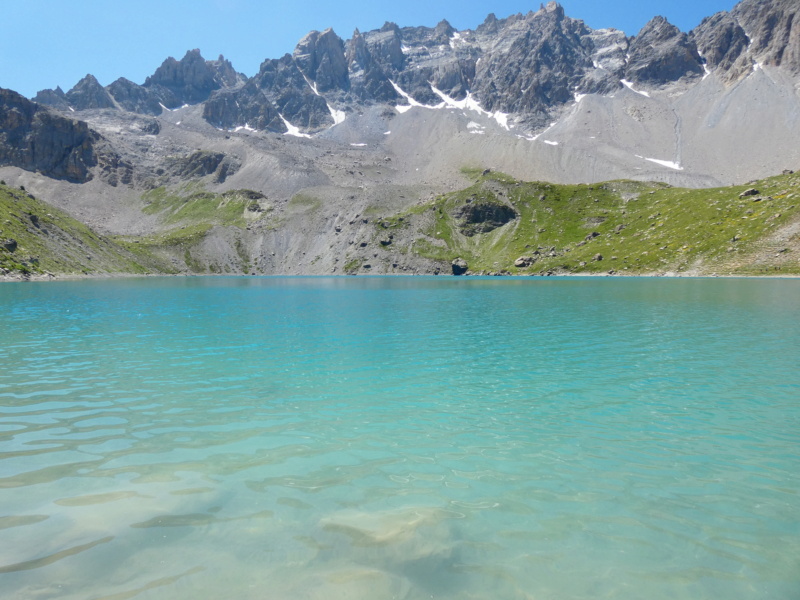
[{"x": 405, "y": 438}]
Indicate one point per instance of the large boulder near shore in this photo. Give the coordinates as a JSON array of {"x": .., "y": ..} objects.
[{"x": 459, "y": 266}]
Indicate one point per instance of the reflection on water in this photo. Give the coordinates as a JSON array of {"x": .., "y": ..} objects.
[{"x": 407, "y": 438}]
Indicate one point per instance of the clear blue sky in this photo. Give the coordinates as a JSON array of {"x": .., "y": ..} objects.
[{"x": 45, "y": 43}]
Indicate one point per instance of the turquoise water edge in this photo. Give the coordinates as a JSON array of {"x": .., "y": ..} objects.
[{"x": 377, "y": 437}]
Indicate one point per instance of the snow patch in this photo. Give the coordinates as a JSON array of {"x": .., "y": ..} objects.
[
  {"x": 164, "y": 107},
  {"x": 360, "y": 145},
  {"x": 705, "y": 65},
  {"x": 579, "y": 97},
  {"x": 312, "y": 85},
  {"x": 629, "y": 85},
  {"x": 664, "y": 163},
  {"x": 410, "y": 100},
  {"x": 386, "y": 132},
  {"x": 72, "y": 109},
  {"x": 502, "y": 119},
  {"x": 338, "y": 115},
  {"x": 549, "y": 143},
  {"x": 474, "y": 125},
  {"x": 246, "y": 127},
  {"x": 469, "y": 103},
  {"x": 292, "y": 130}
]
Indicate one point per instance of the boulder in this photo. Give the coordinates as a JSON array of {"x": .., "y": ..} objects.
[
  {"x": 459, "y": 266},
  {"x": 524, "y": 261}
]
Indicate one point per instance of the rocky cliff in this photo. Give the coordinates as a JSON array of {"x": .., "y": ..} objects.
[{"x": 35, "y": 138}]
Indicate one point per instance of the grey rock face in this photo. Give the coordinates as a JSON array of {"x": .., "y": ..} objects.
[
  {"x": 368, "y": 80},
  {"x": 190, "y": 80},
  {"x": 202, "y": 163},
  {"x": 34, "y": 138},
  {"x": 773, "y": 27},
  {"x": 386, "y": 46},
  {"x": 55, "y": 98},
  {"x": 134, "y": 98},
  {"x": 320, "y": 58},
  {"x": 723, "y": 43},
  {"x": 661, "y": 53},
  {"x": 246, "y": 106},
  {"x": 539, "y": 62},
  {"x": 88, "y": 93},
  {"x": 285, "y": 86}
]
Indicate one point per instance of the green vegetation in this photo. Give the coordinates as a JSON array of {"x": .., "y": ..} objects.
[
  {"x": 304, "y": 202},
  {"x": 192, "y": 204},
  {"x": 353, "y": 266},
  {"x": 497, "y": 225},
  {"x": 621, "y": 226},
  {"x": 37, "y": 238}
]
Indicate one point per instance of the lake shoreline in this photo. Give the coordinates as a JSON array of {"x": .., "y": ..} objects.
[{"x": 47, "y": 277}]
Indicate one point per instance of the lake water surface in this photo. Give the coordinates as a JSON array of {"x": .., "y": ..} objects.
[{"x": 409, "y": 438}]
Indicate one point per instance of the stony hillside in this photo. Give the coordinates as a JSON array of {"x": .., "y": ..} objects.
[
  {"x": 39, "y": 239},
  {"x": 498, "y": 225}
]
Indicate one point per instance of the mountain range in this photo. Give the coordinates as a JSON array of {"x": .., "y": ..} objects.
[{"x": 390, "y": 119}]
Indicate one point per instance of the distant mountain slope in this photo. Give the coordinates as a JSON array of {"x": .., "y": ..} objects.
[{"x": 525, "y": 65}]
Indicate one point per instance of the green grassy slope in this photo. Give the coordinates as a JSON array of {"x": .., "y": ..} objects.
[
  {"x": 621, "y": 226},
  {"x": 37, "y": 238}
]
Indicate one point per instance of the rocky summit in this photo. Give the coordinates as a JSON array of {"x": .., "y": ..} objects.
[{"x": 342, "y": 132}]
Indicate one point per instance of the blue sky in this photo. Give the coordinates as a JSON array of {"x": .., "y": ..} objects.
[{"x": 46, "y": 43}]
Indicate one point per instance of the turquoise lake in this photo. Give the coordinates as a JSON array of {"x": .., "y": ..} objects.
[{"x": 400, "y": 438}]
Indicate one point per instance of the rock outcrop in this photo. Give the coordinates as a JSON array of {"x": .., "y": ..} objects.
[
  {"x": 320, "y": 58},
  {"x": 723, "y": 44},
  {"x": 135, "y": 98},
  {"x": 55, "y": 98},
  {"x": 89, "y": 94},
  {"x": 35, "y": 138},
  {"x": 368, "y": 80},
  {"x": 190, "y": 80},
  {"x": 773, "y": 28},
  {"x": 662, "y": 53},
  {"x": 202, "y": 163}
]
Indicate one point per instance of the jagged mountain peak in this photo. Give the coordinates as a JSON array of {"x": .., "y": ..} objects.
[
  {"x": 553, "y": 8},
  {"x": 531, "y": 65},
  {"x": 661, "y": 53},
  {"x": 89, "y": 94}
]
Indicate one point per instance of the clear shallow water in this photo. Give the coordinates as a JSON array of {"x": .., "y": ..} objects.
[{"x": 329, "y": 438}]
